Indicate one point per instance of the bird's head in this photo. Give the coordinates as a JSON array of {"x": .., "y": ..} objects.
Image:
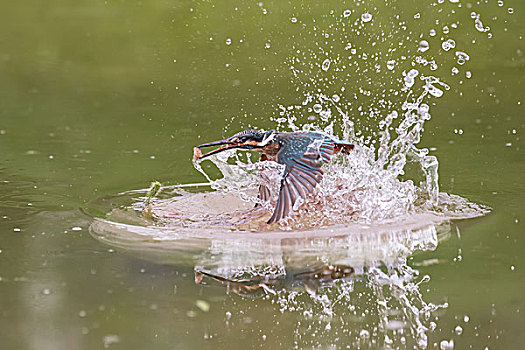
[{"x": 248, "y": 140}]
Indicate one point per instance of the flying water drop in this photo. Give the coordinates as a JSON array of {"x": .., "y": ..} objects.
[
  {"x": 326, "y": 65},
  {"x": 366, "y": 17},
  {"x": 413, "y": 73},
  {"x": 462, "y": 57},
  {"x": 448, "y": 44},
  {"x": 434, "y": 91},
  {"x": 423, "y": 46},
  {"x": 409, "y": 78}
]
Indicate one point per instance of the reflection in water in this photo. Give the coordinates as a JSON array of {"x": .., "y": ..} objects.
[
  {"x": 349, "y": 286},
  {"x": 358, "y": 284},
  {"x": 272, "y": 279}
]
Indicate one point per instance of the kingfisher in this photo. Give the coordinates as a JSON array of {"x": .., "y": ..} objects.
[{"x": 303, "y": 153}]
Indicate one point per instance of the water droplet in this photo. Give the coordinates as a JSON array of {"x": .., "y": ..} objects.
[
  {"x": 448, "y": 44},
  {"x": 462, "y": 57},
  {"x": 423, "y": 108},
  {"x": 511, "y": 10},
  {"x": 479, "y": 25},
  {"x": 422, "y": 340},
  {"x": 317, "y": 108},
  {"x": 326, "y": 65},
  {"x": 364, "y": 334},
  {"x": 432, "y": 32},
  {"x": 423, "y": 46},
  {"x": 409, "y": 81},
  {"x": 110, "y": 339},
  {"x": 500, "y": 3},
  {"x": 446, "y": 30},
  {"x": 202, "y": 305},
  {"x": 458, "y": 330},
  {"x": 293, "y": 20},
  {"x": 267, "y": 45},
  {"x": 228, "y": 41},
  {"x": 434, "y": 91},
  {"x": 395, "y": 325},
  {"x": 335, "y": 98},
  {"x": 366, "y": 17},
  {"x": 446, "y": 344},
  {"x": 390, "y": 64},
  {"x": 413, "y": 73},
  {"x": 347, "y": 13}
]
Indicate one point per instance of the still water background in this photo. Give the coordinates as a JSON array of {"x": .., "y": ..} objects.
[{"x": 102, "y": 97}]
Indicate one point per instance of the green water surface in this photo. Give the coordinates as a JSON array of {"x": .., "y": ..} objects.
[{"x": 102, "y": 97}]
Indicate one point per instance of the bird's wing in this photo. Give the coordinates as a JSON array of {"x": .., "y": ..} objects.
[
  {"x": 302, "y": 172},
  {"x": 263, "y": 195},
  {"x": 264, "y": 192}
]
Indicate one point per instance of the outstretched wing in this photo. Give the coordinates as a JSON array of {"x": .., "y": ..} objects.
[{"x": 303, "y": 159}]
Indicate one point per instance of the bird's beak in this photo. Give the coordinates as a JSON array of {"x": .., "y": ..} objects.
[{"x": 225, "y": 144}]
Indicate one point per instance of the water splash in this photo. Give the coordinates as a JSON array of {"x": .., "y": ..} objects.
[
  {"x": 388, "y": 175},
  {"x": 374, "y": 88},
  {"x": 365, "y": 186}
]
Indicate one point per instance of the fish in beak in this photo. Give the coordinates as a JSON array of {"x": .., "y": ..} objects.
[{"x": 225, "y": 144}]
